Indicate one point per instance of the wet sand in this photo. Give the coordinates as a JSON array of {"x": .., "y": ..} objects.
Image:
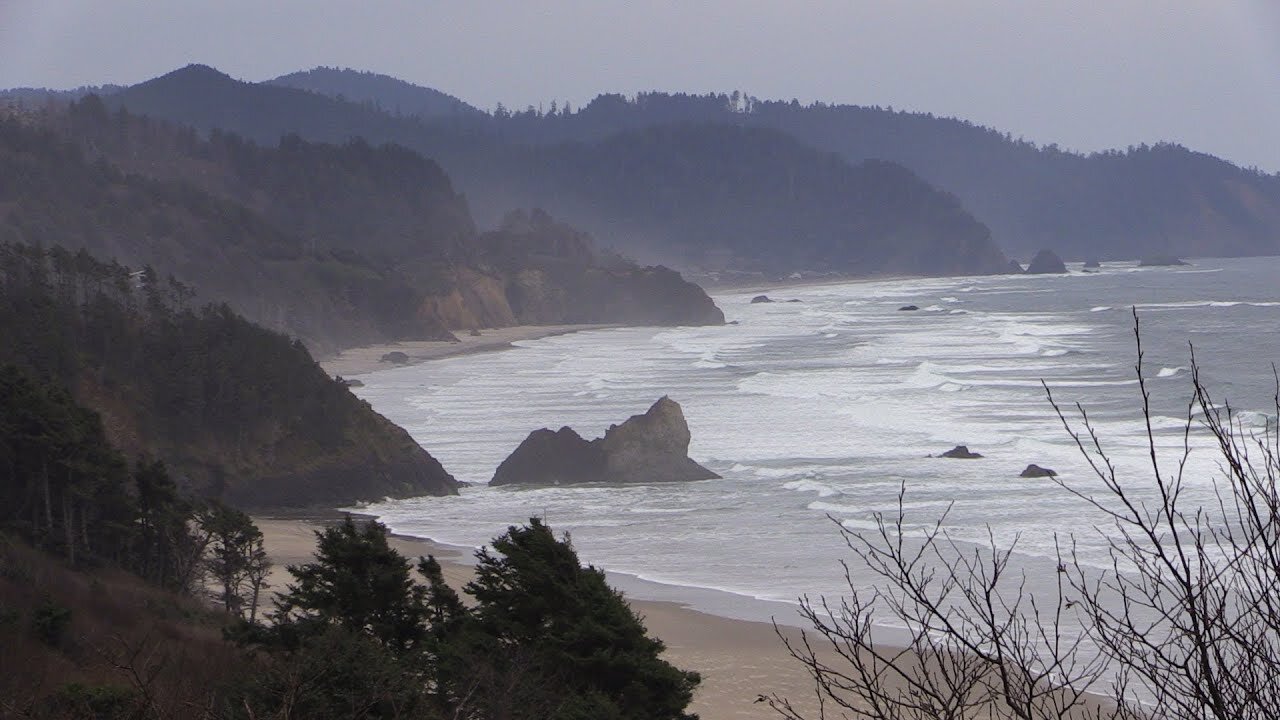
[{"x": 361, "y": 360}]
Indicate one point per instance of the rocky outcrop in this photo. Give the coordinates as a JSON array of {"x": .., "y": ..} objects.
[
  {"x": 961, "y": 452},
  {"x": 553, "y": 275},
  {"x": 1014, "y": 268},
  {"x": 1046, "y": 262},
  {"x": 1092, "y": 264},
  {"x": 1035, "y": 471},
  {"x": 549, "y": 457},
  {"x": 908, "y": 308},
  {"x": 761, "y": 299},
  {"x": 395, "y": 357},
  {"x": 648, "y": 448}
]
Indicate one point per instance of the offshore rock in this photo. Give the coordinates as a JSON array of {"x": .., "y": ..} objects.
[
  {"x": 1046, "y": 262},
  {"x": 648, "y": 448},
  {"x": 1014, "y": 268},
  {"x": 552, "y": 458},
  {"x": 761, "y": 299},
  {"x": 961, "y": 452},
  {"x": 1035, "y": 471}
]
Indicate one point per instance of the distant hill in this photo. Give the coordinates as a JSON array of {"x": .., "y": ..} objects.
[
  {"x": 1156, "y": 199},
  {"x": 795, "y": 219},
  {"x": 338, "y": 244},
  {"x": 720, "y": 196},
  {"x": 1161, "y": 199},
  {"x": 54, "y": 193},
  {"x": 383, "y": 92}
]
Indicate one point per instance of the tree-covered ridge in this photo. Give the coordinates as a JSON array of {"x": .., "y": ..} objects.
[
  {"x": 383, "y": 92},
  {"x": 1150, "y": 199},
  {"x": 52, "y": 193},
  {"x": 1143, "y": 200},
  {"x": 498, "y": 170},
  {"x": 382, "y": 204},
  {"x": 236, "y": 411},
  {"x": 723, "y": 195},
  {"x": 394, "y": 215}
]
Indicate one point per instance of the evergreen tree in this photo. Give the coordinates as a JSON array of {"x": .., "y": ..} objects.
[
  {"x": 357, "y": 582},
  {"x": 589, "y": 650}
]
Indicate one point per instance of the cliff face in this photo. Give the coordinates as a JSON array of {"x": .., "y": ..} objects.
[
  {"x": 555, "y": 275},
  {"x": 653, "y": 447},
  {"x": 647, "y": 448}
]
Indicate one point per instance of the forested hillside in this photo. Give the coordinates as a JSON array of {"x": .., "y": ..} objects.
[
  {"x": 338, "y": 244},
  {"x": 53, "y": 194},
  {"x": 1126, "y": 203},
  {"x": 383, "y": 92},
  {"x": 235, "y": 411},
  {"x": 640, "y": 177}
]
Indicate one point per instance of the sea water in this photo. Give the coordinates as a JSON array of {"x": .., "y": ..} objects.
[{"x": 829, "y": 411}]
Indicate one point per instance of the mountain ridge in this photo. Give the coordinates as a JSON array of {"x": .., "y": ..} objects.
[{"x": 497, "y": 175}]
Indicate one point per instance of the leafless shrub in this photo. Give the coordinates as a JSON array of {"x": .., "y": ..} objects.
[{"x": 1183, "y": 624}]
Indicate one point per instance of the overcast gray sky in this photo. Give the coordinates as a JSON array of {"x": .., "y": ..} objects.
[{"x": 1087, "y": 74}]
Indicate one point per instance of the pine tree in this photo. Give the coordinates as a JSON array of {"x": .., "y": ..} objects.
[
  {"x": 360, "y": 583},
  {"x": 589, "y": 650}
]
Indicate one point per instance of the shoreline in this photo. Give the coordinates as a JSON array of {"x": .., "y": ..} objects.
[
  {"x": 366, "y": 359},
  {"x": 739, "y": 660}
]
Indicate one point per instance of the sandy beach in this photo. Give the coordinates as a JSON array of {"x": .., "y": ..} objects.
[
  {"x": 361, "y": 360},
  {"x": 738, "y": 660}
]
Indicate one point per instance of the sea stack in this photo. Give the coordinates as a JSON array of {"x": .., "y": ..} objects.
[
  {"x": 648, "y": 448},
  {"x": 1046, "y": 262}
]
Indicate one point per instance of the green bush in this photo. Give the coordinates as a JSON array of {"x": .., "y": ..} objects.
[{"x": 51, "y": 622}]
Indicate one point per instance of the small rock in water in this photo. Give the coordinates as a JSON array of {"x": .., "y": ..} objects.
[
  {"x": 760, "y": 299},
  {"x": 906, "y": 308},
  {"x": 396, "y": 357},
  {"x": 475, "y": 333},
  {"x": 1035, "y": 471},
  {"x": 961, "y": 452}
]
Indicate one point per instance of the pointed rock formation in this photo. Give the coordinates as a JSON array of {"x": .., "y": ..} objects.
[
  {"x": 648, "y": 448},
  {"x": 1046, "y": 262}
]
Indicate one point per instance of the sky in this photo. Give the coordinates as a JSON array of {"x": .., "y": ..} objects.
[{"x": 1084, "y": 74}]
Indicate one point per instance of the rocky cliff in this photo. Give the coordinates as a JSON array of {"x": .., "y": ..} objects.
[{"x": 647, "y": 448}]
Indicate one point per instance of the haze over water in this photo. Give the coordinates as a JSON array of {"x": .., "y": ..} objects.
[{"x": 830, "y": 405}]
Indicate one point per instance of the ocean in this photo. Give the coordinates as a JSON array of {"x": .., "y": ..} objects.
[{"x": 825, "y": 410}]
